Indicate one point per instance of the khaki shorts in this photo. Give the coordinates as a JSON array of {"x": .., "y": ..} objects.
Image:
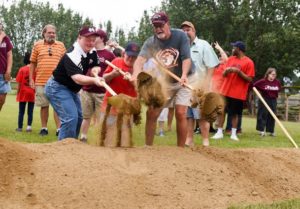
[
  {"x": 40, "y": 97},
  {"x": 90, "y": 103},
  {"x": 180, "y": 95}
]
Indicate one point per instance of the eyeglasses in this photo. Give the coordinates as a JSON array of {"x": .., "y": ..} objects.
[{"x": 50, "y": 51}]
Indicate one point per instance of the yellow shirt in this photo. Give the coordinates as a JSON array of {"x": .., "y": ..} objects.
[{"x": 46, "y": 57}]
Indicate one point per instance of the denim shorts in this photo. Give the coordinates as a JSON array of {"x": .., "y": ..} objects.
[
  {"x": 193, "y": 113},
  {"x": 4, "y": 85}
]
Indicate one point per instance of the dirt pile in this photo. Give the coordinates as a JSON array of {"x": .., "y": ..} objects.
[{"x": 70, "y": 174}]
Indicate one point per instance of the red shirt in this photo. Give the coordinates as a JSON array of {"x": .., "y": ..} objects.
[
  {"x": 26, "y": 93},
  {"x": 217, "y": 78},
  {"x": 119, "y": 84},
  {"x": 103, "y": 55},
  {"x": 233, "y": 85},
  {"x": 268, "y": 89}
]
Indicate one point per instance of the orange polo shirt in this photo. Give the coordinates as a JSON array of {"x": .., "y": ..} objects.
[{"x": 46, "y": 56}]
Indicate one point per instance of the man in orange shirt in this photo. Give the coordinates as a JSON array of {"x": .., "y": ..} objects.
[
  {"x": 238, "y": 73},
  {"x": 44, "y": 58}
]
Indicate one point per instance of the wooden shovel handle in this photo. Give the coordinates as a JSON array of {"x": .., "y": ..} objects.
[
  {"x": 118, "y": 69},
  {"x": 104, "y": 84},
  {"x": 172, "y": 74}
]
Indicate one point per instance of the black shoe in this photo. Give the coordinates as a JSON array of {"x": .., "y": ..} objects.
[
  {"x": 57, "y": 132},
  {"x": 83, "y": 139},
  {"x": 212, "y": 130},
  {"x": 43, "y": 132},
  {"x": 197, "y": 131}
]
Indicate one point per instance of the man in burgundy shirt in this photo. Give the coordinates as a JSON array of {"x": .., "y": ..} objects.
[
  {"x": 91, "y": 95},
  {"x": 6, "y": 60}
]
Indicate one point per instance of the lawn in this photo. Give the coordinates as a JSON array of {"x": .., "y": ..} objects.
[{"x": 249, "y": 137}]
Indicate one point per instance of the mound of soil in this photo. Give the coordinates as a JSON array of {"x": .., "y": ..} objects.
[{"x": 70, "y": 174}]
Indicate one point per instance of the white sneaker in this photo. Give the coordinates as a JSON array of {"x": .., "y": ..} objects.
[
  {"x": 218, "y": 136},
  {"x": 234, "y": 138},
  {"x": 262, "y": 133}
]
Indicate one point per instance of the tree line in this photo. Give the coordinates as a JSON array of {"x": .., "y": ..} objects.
[{"x": 270, "y": 29}]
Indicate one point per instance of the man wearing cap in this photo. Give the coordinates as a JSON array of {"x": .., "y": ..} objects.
[
  {"x": 44, "y": 58},
  {"x": 238, "y": 73},
  {"x": 91, "y": 96},
  {"x": 205, "y": 60},
  {"x": 68, "y": 78},
  {"x": 6, "y": 61},
  {"x": 164, "y": 41},
  {"x": 119, "y": 84}
]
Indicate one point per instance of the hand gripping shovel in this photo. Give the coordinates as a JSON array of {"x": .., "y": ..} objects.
[{"x": 211, "y": 103}]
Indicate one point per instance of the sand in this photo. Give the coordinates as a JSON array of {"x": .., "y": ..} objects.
[{"x": 70, "y": 174}]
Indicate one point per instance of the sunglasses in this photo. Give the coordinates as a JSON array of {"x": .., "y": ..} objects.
[{"x": 50, "y": 51}]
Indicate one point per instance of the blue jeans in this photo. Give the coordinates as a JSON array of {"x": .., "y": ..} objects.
[
  {"x": 22, "y": 107},
  {"x": 67, "y": 106}
]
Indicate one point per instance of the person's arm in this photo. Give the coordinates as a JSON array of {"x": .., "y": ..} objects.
[
  {"x": 137, "y": 67},
  {"x": 186, "y": 66},
  {"x": 86, "y": 80},
  {"x": 32, "y": 68},
  {"x": 221, "y": 51},
  {"x": 7, "y": 75},
  {"x": 238, "y": 72}
]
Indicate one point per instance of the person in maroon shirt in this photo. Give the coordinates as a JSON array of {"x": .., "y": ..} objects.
[
  {"x": 269, "y": 87},
  {"x": 6, "y": 61},
  {"x": 92, "y": 96}
]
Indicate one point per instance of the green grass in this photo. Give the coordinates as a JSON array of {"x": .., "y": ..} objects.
[
  {"x": 288, "y": 204},
  {"x": 248, "y": 139}
]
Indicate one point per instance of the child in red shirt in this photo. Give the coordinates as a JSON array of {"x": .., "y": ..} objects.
[
  {"x": 25, "y": 95},
  {"x": 120, "y": 85}
]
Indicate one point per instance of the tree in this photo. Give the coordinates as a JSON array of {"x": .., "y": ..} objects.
[{"x": 24, "y": 21}]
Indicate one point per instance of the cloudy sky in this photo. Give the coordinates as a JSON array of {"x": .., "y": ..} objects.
[{"x": 123, "y": 13}]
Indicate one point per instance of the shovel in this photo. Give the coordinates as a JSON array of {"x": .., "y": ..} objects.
[
  {"x": 126, "y": 106},
  {"x": 126, "y": 75}
]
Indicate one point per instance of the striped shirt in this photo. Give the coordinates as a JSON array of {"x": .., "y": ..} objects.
[{"x": 46, "y": 57}]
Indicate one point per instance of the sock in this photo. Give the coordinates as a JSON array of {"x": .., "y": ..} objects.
[
  {"x": 233, "y": 131},
  {"x": 45, "y": 128},
  {"x": 220, "y": 131},
  {"x": 83, "y": 136},
  {"x": 58, "y": 129},
  {"x": 28, "y": 127}
]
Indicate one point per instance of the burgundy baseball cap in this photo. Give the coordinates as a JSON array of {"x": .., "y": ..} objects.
[
  {"x": 88, "y": 31},
  {"x": 132, "y": 49},
  {"x": 159, "y": 18},
  {"x": 103, "y": 35}
]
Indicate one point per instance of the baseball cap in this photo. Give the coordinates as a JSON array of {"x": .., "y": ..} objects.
[
  {"x": 240, "y": 45},
  {"x": 102, "y": 34},
  {"x": 88, "y": 31},
  {"x": 132, "y": 49},
  {"x": 159, "y": 18},
  {"x": 187, "y": 23}
]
